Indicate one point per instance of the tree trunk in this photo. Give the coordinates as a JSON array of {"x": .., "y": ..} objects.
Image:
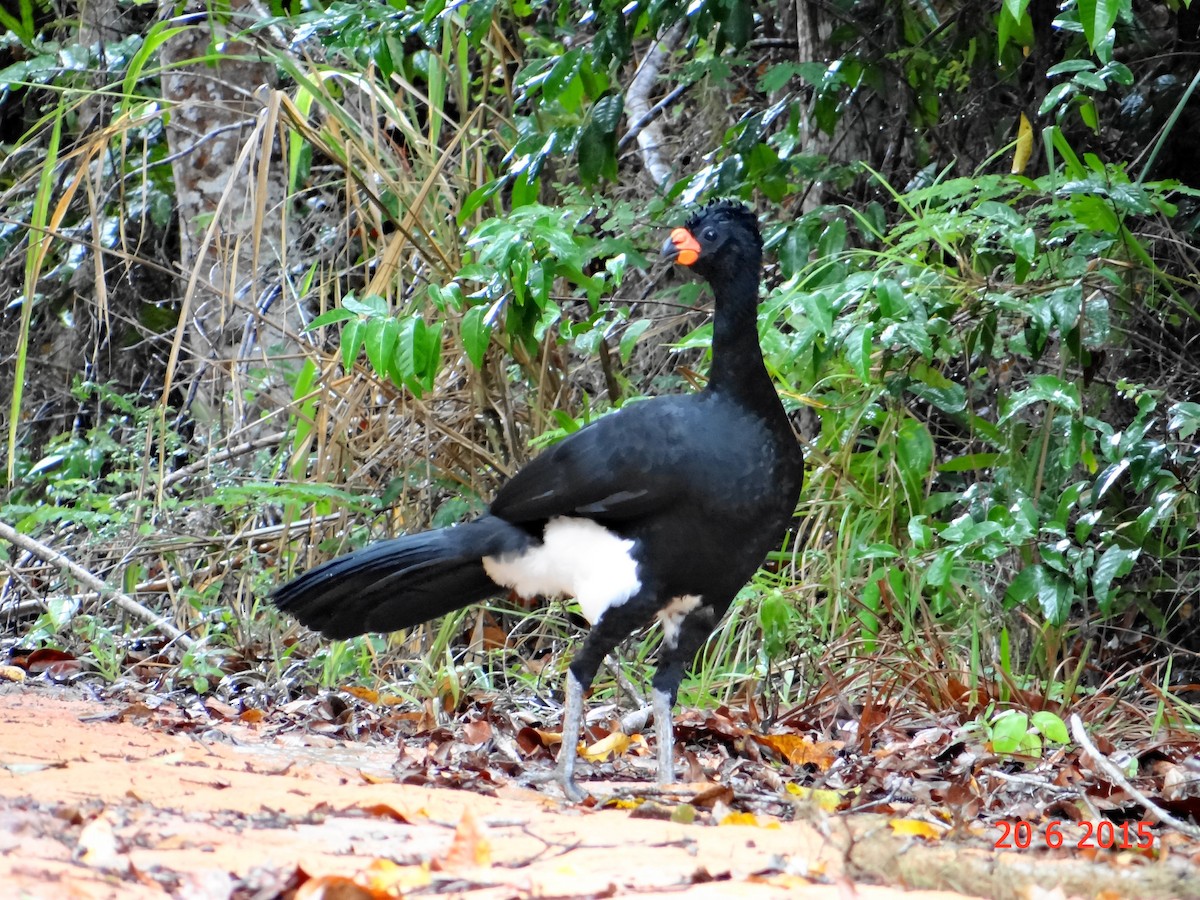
[{"x": 230, "y": 188}]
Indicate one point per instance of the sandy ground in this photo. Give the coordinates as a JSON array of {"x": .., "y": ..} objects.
[{"x": 105, "y": 800}]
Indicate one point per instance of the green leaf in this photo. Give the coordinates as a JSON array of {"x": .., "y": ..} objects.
[
  {"x": 1118, "y": 72},
  {"x": 158, "y": 35},
  {"x": 794, "y": 250},
  {"x": 1024, "y": 587},
  {"x": 1055, "y": 96},
  {"x": 379, "y": 340},
  {"x": 778, "y": 75},
  {"x": 476, "y": 334},
  {"x": 938, "y": 572},
  {"x": 833, "y": 239},
  {"x": 1097, "y": 18},
  {"x": 417, "y": 356},
  {"x": 1091, "y": 81},
  {"x": 352, "y": 338},
  {"x": 479, "y": 20},
  {"x": 1051, "y": 727},
  {"x": 1113, "y": 563},
  {"x": 629, "y": 338},
  {"x": 914, "y": 335},
  {"x": 607, "y": 112},
  {"x": 1044, "y": 389},
  {"x": 1016, "y": 8},
  {"x": 935, "y": 388},
  {"x": 1015, "y": 25},
  {"x": 1185, "y": 418},
  {"x": 1009, "y": 732},
  {"x": 738, "y": 26},
  {"x": 969, "y": 462},
  {"x": 1069, "y": 66},
  {"x": 329, "y": 317},
  {"x": 566, "y": 68},
  {"x": 891, "y": 298},
  {"x": 597, "y": 154},
  {"x": 859, "y": 343},
  {"x": 920, "y": 533},
  {"x": 1054, "y": 596},
  {"x": 1087, "y": 112},
  {"x": 914, "y": 450},
  {"x": 816, "y": 306}
]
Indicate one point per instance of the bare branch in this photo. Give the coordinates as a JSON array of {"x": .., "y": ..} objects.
[
  {"x": 1080, "y": 735},
  {"x": 127, "y": 603},
  {"x": 637, "y": 105}
]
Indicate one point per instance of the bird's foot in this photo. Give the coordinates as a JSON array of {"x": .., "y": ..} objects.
[
  {"x": 574, "y": 792},
  {"x": 565, "y": 780}
]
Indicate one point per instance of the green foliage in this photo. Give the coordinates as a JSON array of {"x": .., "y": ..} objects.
[
  {"x": 1014, "y": 733},
  {"x": 522, "y": 269},
  {"x": 963, "y": 448},
  {"x": 976, "y": 465}
]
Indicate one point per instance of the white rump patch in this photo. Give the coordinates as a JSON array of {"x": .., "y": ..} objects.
[
  {"x": 673, "y": 614},
  {"x": 577, "y": 558}
]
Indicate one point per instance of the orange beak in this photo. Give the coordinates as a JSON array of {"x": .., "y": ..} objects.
[{"x": 683, "y": 247}]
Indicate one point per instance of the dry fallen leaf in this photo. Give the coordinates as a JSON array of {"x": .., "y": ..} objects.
[
  {"x": 388, "y": 811},
  {"x": 739, "y": 818},
  {"x": 335, "y": 887},
  {"x": 97, "y": 846},
  {"x": 389, "y": 879},
  {"x": 548, "y": 738},
  {"x": 470, "y": 846},
  {"x": 825, "y": 800},
  {"x": 916, "y": 828},
  {"x": 747, "y": 818},
  {"x": 477, "y": 732},
  {"x": 614, "y": 745},
  {"x": 800, "y": 751}
]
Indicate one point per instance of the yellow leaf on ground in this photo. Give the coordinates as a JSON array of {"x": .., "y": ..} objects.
[
  {"x": 614, "y": 745},
  {"x": 825, "y": 800},
  {"x": 362, "y": 693},
  {"x": 325, "y": 886},
  {"x": 746, "y": 818},
  {"x": 800, "y": 751},
  {"x": 916, "y": 828},
  {"x": 388, "y": 879}
]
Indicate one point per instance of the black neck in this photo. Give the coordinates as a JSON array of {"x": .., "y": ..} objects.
[{"x": 737, "y": 362}]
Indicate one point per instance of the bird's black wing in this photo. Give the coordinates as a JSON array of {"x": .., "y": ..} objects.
[{"x": 632, "y": 463}]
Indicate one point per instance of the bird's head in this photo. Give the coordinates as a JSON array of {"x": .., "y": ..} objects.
[{"x": 722, "y": 239}]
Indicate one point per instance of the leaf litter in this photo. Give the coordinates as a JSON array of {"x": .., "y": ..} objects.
[{"x": 346, "y": 792}]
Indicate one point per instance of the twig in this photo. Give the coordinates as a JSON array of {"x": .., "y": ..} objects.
[
  {"x": 1077, "y": 731},
  {"x": 86, "y": 578}
]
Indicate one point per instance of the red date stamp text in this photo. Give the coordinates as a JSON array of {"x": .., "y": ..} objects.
[{"x": 1102, "y": 835}]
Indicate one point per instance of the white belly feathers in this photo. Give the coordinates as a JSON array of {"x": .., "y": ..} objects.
[{"x": 577, "y": 558}]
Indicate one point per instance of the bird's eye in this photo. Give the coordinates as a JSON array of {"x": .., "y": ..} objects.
[{"x": 710, "y": 234}]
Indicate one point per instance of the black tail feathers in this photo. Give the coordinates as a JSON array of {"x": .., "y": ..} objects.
[{"x": 400, "y": 582}]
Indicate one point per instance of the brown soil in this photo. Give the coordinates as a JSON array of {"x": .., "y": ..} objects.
[{"x": 108, "y": 800}]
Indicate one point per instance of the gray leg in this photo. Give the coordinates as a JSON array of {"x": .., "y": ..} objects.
[
  {"x": 664, "y": 730},
  {"x": 572, "y": 726},
  {"x": 679, "y": 647}
]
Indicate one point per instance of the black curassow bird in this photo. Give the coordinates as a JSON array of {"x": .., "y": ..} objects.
[{"x": 663, "y": 509}]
